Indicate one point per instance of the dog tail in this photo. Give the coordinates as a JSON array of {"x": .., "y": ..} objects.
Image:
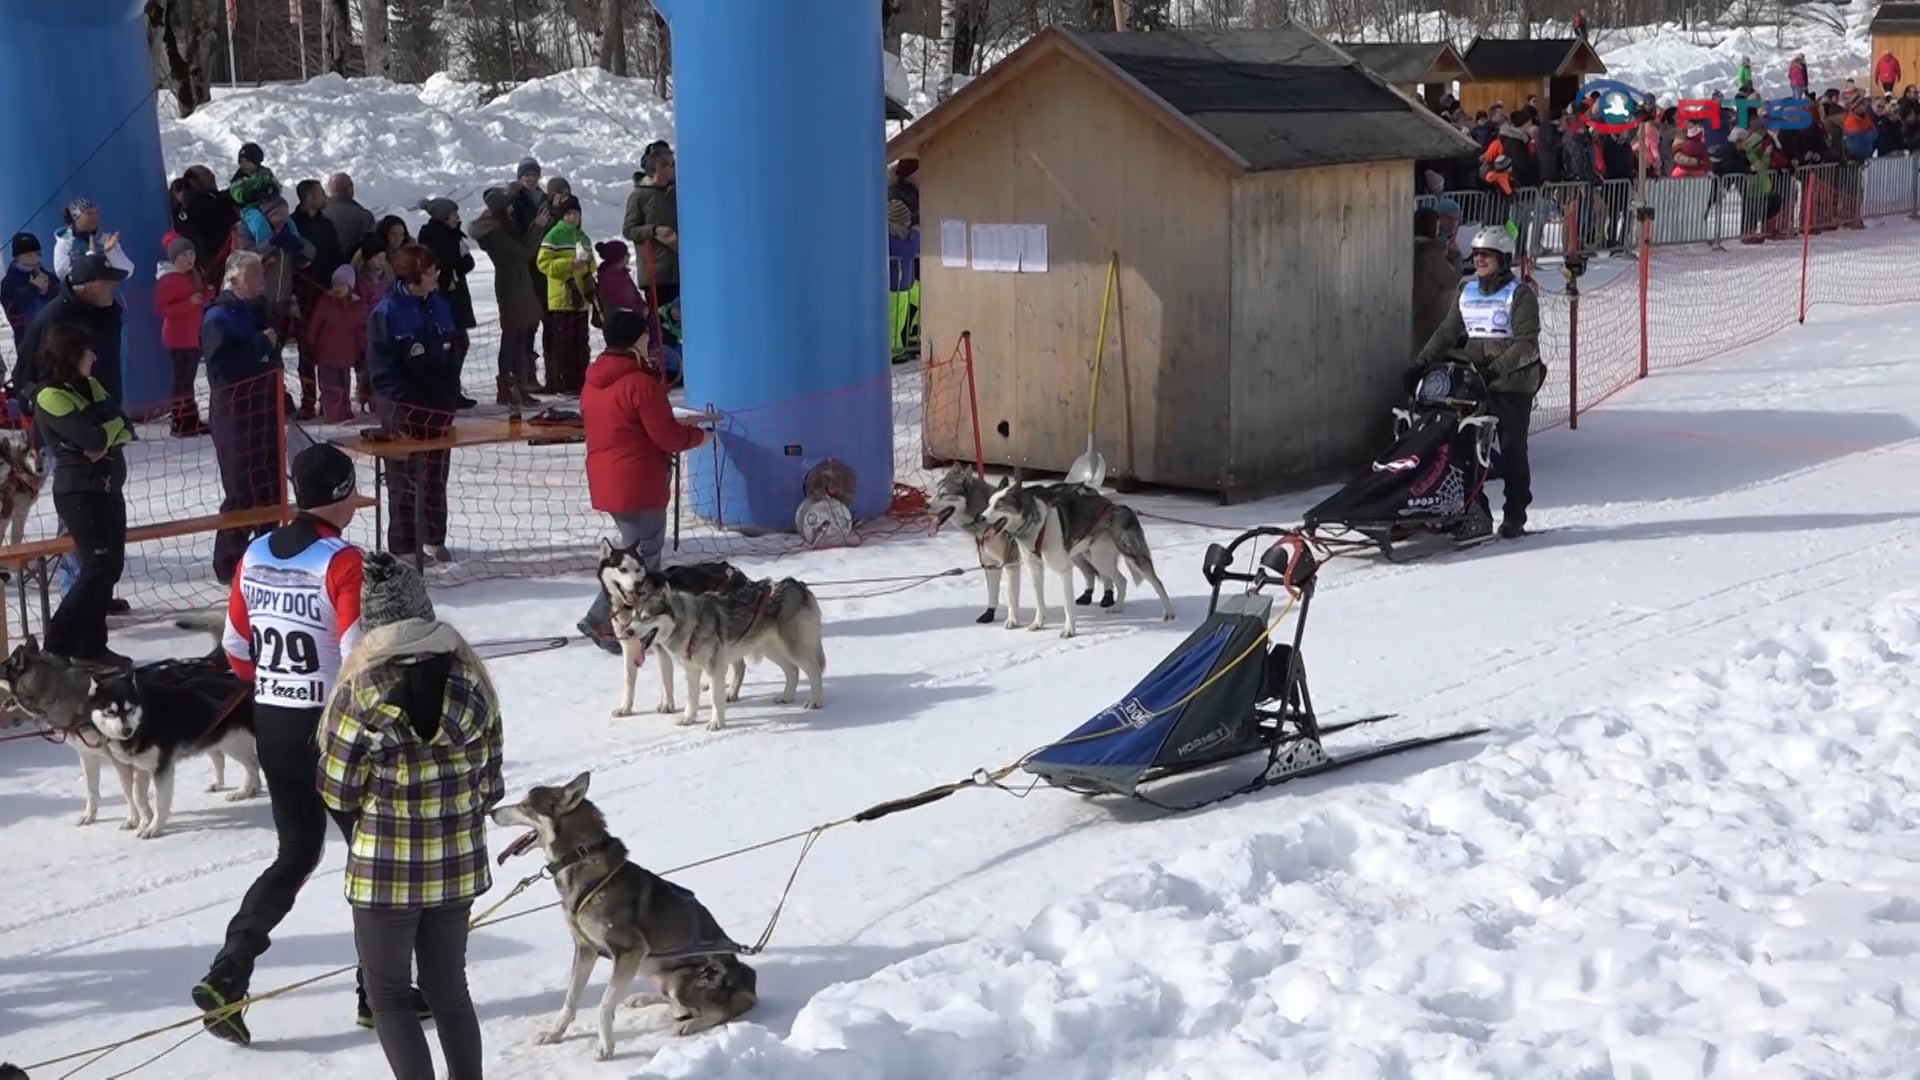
[{"x": 1131, "y": 540}]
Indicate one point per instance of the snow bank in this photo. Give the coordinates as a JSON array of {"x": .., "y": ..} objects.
[
  {"x": 1717, "y": 879},
  {"x": 1666, "y": 63},
  {"x": 405, "y": 143}
]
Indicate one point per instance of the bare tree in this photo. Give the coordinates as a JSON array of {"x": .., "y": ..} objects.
[
  {"x": 336, "y": 35},
  {"x": 178, "y": 36},
  {"x": 374, "y": 38},
  {"x": 613, "y": 38}
]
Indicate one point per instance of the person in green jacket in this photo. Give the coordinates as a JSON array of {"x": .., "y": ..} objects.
[
  {"x": 652, "y": 226},
  {"x": 1495, "y": 327},
  {"x": 566, "y": 258},
  {"x": 87, "y": 431}
]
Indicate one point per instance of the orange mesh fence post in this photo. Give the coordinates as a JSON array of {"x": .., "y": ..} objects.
[{"x": 973, "y": 406}]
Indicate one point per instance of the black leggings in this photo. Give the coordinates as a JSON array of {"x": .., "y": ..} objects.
[
  {"x": 97, "y": 522},
  {"x": 388, "y": 940},
  {"x": 289, "y": 759},
  {"x": 1513, "y": 412}
]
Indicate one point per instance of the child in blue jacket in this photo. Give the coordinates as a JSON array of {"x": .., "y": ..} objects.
[{"x": 27, "y": 286}]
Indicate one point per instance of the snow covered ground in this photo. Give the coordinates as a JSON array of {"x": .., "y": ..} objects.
[{"x": 1685, "y": 852}]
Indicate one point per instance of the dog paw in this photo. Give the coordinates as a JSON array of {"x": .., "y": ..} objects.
[
  {"x": 550, "y": 1036},
  {"x": 733, "y": 696},
  {"x": 1166, "y": 616},
  {"x": 242, "y": 795},
  {"x": 216, "y": 786},
  {"x": 87, "y": 818},
  {"x": 815, "y": 703},
  {"x": 690, "y": 1026},
  {"x": 985, "y": 617},
  {"x": 1065, "y": 631},
  {"x": 644, "y": 1000},
  {"x": 716, "y": 726},
  {"x": 1012, "y": 623},
  {"x": 1084, "y": 599},
  {"x": 149, "y": 832},
  {"x": 603, "y": 1052},
  {"x": 623, "y": 710},
  {"x": 1107, "y": 601},
  {"x": 783, "y": 699},
  {"x": 129, "y": 824},
  {"x": 1036, "y": 625},
  {"x": 686, "y": 721}
]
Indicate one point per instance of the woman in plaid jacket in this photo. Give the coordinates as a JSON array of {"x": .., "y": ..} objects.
[{"x": 410, "y": 749}]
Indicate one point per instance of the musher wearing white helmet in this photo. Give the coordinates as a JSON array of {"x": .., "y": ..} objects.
[{"x": 1495, "y": 327}]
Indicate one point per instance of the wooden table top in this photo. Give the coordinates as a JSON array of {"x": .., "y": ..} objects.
[{"x": 471, "y": 432}]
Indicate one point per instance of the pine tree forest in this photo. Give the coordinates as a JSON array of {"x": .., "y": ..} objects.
[{"x": 500, "y": 43}]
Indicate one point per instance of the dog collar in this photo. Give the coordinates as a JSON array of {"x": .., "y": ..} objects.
[{"x": 578, "y": 855}]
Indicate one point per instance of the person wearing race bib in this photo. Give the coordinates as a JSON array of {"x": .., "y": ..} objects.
[
  {"x": 293, "y": 614},
  {"x": 1495, "y": 327}
]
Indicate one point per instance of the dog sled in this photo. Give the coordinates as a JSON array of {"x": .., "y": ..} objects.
[
  {"x": 1228, "y": 692},
  {"x": 1428, "y": 489}
]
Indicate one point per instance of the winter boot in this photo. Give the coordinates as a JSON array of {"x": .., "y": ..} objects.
[
  {"x": 601, "y": 635},
  {"x": 364, "y": 1014},
  {"x": 1513, "y": 529},
  {"x": 213, "y": 993},
  {"x": 1476, "y": 527}
]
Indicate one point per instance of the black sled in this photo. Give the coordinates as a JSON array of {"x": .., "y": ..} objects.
[
  {"x": 1430, "y": 484},
  {"x": 1228, "y": 691}
]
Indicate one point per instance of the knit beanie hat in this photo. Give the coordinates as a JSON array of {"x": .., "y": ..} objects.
[
  {"x": 613, "y": 251},
  {"x": 322, "y": 475},
  {"x": 252, "y": 152},
  {"x": 528, "y": 167},
  {"x": 177, "y": 247},
  {"x": 344, "y": 275},
  {"x": 25, "y": 244},
  {"x": 440, "y": 209},
  {"x": 497, "y": 200},
  {"x": 624, "y": 329},
  {"x": 391, "y": 591}
]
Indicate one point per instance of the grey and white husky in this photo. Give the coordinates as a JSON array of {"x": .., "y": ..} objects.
[
  {"x": 645, "y": 924},
  {"x": 1051, "y": 526},
  {"x": 961, "y": 496},
  {"x": 58, "y": 693},
  {"x": 713, "y": 633},
  {"x": 621, "y": 571}
]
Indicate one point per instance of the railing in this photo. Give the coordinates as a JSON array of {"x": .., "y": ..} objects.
[{"x": 1677, "y": 270}]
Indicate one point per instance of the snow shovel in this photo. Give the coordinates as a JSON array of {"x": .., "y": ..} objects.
[{"x": 1090, "y": 468}]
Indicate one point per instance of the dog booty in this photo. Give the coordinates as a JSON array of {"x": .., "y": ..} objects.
[{"x": 391, "y": 591}]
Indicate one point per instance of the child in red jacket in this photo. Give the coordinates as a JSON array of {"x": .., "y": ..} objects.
[
  {"x": 180, "y": 295},
  {"x": 337, "y": 335}
]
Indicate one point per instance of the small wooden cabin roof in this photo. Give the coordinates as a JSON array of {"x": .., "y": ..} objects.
[
  {"x": 1537, "y": 58},
  {"x": 1896, "y": 19},
  {"x": 1406, "y": 63},
  {"x": 1256, "y": 100}
]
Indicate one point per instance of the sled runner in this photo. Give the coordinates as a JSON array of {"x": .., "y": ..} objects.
[
  {"x": 1228, "y": 691},
  {"x": 1415, "y": 499}
]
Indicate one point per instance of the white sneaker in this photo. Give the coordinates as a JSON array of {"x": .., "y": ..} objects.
[{"x": 437, "y": 553}]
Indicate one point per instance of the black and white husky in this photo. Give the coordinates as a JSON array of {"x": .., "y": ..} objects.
[
  {"x": 621, "y": 573},
  {"x": 1053, "y": 526},
  {"x": 961, "y": 497},
  {"x": 156, "y": 716}
]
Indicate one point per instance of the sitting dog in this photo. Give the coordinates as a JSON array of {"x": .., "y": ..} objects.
[
  {"x": 1051, "y": 525},
  {"x": 617, "y": 909},
  {"x": 961, "y": 496},
  {"x": 712, "y": 633}
]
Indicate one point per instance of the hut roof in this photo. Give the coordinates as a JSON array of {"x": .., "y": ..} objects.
[
  {"x": 1279, "y": 98},
  {"x": 1406, "y": 63},
  {"x": 1536, "y": 58},
  {"x": 1896, "y": 19}
]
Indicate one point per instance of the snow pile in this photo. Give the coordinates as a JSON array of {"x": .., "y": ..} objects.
[
  {"x": 405, "y": 143},
  {"x": 1699, "y": 882},
  {"x": 1665, "y": 63}
]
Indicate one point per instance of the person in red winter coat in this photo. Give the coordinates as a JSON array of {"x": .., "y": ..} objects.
[
  {"x": 336, "y": 334},
  {"x": 1690, "y": 153},
  {"x": 1887, "y": 72},
  {"x": 632, "y": 435},
  {"x": 181, "y": 296}
]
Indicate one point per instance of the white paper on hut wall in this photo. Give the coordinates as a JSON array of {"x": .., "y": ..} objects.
[
  {"x": 1033, "y": 248},
  {"x": 989, "y": 247},
  {"x": 953, "y": 244}
]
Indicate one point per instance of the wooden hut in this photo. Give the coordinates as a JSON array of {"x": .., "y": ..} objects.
[
  {"x": 1896, "y": 30},
  {"x": 1509, "y": 71},
  {"x": 1255, "y": 187},
  {"x": 1423, "y": 70}
]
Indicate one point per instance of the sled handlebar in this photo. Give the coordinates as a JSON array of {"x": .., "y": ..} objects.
[{"x": 1293, "y": 567}]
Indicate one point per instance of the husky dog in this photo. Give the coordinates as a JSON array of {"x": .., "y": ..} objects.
[
  {"x": 961, "y": 494},
  {"x": 618, "y": 909},
  {"x": 620, "y": 574},
  {"x": 712, "y": 633},
  {"x": 1051, "y": 526},
  {"x": 154, "y": 716},
  {"x": 22, "y": 474},
  {"x": 58, "y": 692}
]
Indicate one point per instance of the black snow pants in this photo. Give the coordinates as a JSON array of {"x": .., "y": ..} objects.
[{"x": 1513, "y": 412}]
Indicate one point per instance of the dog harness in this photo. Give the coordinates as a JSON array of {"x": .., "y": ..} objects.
[{"x": 680, "y": 892}]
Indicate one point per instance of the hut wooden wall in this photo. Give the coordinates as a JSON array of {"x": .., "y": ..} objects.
[
  {"x": 1478, "y": 94},
  {"x": 1905, "y": 47},
  {"x": 1322, "y": 310},
  {"x": 1061, "y": 147}
]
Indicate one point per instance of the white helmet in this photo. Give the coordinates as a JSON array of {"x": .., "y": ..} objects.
[{"x": 1493, "y": 238}]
